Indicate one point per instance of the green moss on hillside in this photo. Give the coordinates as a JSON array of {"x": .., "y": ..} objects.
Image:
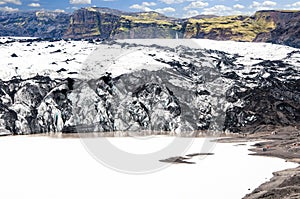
[
  {"x": 148, "y": 18},
  {"x": 238, "y": 28},
  {"x": 145, "y": 18}
]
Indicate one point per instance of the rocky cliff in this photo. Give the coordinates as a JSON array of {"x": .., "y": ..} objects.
[
  {"x": 280, "y": 27},
  {"x": 89, "y": 23},
  {"x": 44, "y": 24},
  {"x": 286, "y": 30},
  {"x": 109, "y": 24}
]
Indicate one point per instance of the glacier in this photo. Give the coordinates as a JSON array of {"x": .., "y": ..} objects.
[{"x": 178, "y": 87}]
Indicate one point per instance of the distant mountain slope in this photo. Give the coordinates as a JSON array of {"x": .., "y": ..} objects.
[
  {"x": 287, "y": 28},
  {"x": 280, "y": 27},
  {"x": 34, "y": 24}
]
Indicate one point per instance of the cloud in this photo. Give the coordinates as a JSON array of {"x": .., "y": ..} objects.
[
  {"x": 196, "y": 4},
  {"x": 80, "y": 1},
  {"x": 294, "y": 6},
  {"x": 220, "y": 10},
  {"x": 8, "y": 9},
  {"x": 173, "y": 1},
  {"x": 191, "y": 13},
  {"x": 72, "y": 8},
  {"x": 16, "y": 2},
  {"x": 165, "y": 10},
  {"x": 238, "y": 6},
  {"x": 217, "y": 9},
  {"x": 34, "y": 5},
  {"x": 59, "y": 10},
  {"x": 149, "y": 4},
  {"x": 144, "y": 6},
  {"x": 265, "y": 4},
  {"x": 255, "y": 4},
  {"x": 269, "y": 3}
]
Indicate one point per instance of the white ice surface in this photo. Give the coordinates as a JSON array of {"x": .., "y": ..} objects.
[
  {"x": 91, "y": 60},
  {"x": 41, "y": 167},
  {"x": 249, "y": 49},
  {"x": 38, "y": 58},
  {"x": 118, "y": 61}
]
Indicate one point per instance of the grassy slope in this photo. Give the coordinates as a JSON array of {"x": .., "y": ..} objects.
[
  {"x": 238, "y": 28},
  {"x": 147, "y": 25}
]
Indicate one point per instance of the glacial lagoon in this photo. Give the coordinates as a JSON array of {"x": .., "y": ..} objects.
[{"x": 44, "y": 167}]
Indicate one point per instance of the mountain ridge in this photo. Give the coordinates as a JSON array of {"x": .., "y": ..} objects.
[{"x": 273, "y": 26}]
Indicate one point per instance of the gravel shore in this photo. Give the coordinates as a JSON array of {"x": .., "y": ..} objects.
[{"x": 282, "y": 143}]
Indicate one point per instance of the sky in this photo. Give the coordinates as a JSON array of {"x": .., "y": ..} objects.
[{"x": 173, "y": 8}]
